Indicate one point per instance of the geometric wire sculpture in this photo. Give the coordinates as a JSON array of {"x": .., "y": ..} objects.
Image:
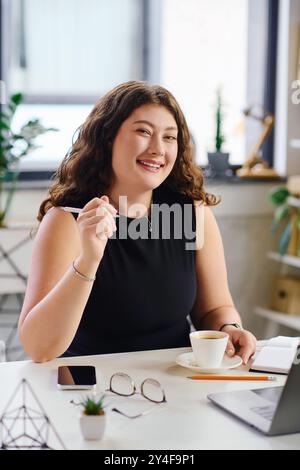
[{"x": 24, "y": 427}]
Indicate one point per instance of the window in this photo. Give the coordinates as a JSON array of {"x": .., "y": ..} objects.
[
  {"x": 64, "y": 54},
  {"x": 204, "y": 47},
  {"x": 73, "y": 50},
  {"x": 53, "y": 146}
]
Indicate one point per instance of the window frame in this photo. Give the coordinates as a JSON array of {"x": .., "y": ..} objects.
[
  {"x": 151, "y": 28},
  {"x": 270, "y": 74},
  {"x": 150, "y": 65},
  {"x": 150, "y": 9}
]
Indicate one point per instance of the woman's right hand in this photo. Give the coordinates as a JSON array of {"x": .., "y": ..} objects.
[{"x": 96, "y": 223}]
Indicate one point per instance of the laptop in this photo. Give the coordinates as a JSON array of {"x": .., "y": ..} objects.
[{"x": 273, "y": 411}]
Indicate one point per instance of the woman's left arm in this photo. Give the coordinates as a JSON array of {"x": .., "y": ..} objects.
[{"x": 214, "y": 306}]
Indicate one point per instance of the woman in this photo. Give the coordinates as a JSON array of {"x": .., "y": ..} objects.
[{"x": 96, "y": 288}]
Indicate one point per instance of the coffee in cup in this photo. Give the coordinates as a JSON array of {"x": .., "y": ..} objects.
[{"x": 209, "y": 347}]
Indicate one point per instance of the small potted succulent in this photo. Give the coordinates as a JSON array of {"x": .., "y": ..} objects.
[
  {"x": 93, "y": 417},
  {"x": 218, "y": 160}
]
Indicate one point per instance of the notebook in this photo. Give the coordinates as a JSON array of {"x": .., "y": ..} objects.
[{"x": 276, "y": 355}]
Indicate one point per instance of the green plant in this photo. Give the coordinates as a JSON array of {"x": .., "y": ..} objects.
[
  {"x": 286, "y": 218},
  {"x": 13, "y": 147},
  {"x": 219, "y": 137},
  {"x": 93, "y": 405}
]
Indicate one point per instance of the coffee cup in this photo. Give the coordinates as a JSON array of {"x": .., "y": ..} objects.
[{"x": 209, "y": 347}]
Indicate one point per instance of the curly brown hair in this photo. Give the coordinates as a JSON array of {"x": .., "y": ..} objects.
[{"x": 86, "y": 170}]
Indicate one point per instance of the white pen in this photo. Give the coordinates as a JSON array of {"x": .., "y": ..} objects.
[{"x": 77, "y": 210}]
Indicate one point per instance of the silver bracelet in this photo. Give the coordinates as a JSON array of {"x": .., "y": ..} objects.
[{"x": 82, "y": 276}]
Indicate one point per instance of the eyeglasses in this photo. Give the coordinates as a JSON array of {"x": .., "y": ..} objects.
[{"x": 122, "y": 384}]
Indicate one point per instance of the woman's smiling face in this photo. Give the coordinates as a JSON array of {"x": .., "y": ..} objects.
[{"x": 145, "y": 148}]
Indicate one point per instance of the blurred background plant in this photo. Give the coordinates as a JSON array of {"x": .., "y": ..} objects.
[
  {"x": 13, "y": 147},
  {"x": 219, "y": 160},
  {"x": 286, "y": 220},
  {"x": 219, "y": 137}
]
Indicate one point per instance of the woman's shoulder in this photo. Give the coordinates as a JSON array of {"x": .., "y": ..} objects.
[
  {"x": 57, "y": 224},
  {"x": 57, "y": 240},
  {"x": 78, "y": 202}
]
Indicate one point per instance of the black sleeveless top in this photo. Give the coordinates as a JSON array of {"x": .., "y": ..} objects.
[{"x": 146, "y": 287}]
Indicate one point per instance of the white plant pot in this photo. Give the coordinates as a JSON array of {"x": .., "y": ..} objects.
[{"x": 92, "y": 427}]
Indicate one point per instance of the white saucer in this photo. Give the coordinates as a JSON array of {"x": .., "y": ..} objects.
[{"x": 188, "y": 360}]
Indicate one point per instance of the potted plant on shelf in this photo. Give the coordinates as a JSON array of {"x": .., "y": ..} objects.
[
  {"x": 13, "y": 147},
  {"x": 286, "y": 220},
  {"x": 93, "y": 417},
  {"x": 218, "y": 160}
]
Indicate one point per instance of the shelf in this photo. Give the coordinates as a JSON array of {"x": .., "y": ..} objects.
[
  {"x": 291, "y": 321},
  {"x": 286, "y": 259}
]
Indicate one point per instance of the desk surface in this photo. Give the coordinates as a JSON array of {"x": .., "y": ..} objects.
[{"x": 187, "y": 421}]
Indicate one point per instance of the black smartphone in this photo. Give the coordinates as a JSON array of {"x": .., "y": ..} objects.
[{"x": 76, "y": 377}]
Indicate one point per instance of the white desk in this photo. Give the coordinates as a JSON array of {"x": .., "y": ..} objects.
[{"x": 187, "y": 421}]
